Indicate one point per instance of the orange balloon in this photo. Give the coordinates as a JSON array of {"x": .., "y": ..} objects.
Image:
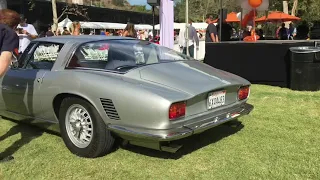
[{"x": 255, "y": 3}]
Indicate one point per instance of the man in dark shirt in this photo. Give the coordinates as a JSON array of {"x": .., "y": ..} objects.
[
  {"x": 303, "y": 31},
  {"x": 226, "y": 31},
  {"x": 211, "y": 32},
  {"x": 9, "y": 40},
  {"x": 9, "y": 44},
  {"x": 283, "y": 32}
]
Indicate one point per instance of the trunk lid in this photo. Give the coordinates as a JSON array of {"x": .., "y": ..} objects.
[
  {"x": 191, "y": 77},
  {"x": 194, "y": 78}
]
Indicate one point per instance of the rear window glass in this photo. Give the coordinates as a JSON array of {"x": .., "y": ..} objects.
[{"x": 122, "y": 55}]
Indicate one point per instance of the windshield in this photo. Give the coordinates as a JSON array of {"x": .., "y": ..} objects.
[{"x": 122, "y": 55}]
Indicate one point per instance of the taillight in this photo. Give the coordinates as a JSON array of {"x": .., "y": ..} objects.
[
  {"x": 243, "y": 92},
  {"x": 177, "y": 110}
]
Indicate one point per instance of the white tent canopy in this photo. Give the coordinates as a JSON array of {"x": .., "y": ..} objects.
[
  {"x": 183, "y": 25},
  {"x": 65, "y": 23},
  {"x": 92, "y": 25},
  {"x": 175, "y": 26},
  {"x": 101, "y": 25},
  {"x": 143, "y": 26},
  {"x": 106, "y": 25}
]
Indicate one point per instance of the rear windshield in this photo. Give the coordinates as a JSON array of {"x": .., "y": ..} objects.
[{"x": 122, "y": 55}]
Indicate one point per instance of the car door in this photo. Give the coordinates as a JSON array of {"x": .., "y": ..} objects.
[{"x": 20, "y": 87}]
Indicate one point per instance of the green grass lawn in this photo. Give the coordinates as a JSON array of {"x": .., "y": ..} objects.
[{"x": 280, "y": 139}]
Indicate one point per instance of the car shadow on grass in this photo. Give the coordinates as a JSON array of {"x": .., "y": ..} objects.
[
  {"x": 28, "y": 133},
  {"x": 192, "y": 143}
]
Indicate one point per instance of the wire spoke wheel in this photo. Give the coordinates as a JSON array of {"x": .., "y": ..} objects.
[{"x": 79, "y": 126}]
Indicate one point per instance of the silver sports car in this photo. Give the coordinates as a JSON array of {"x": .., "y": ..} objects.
[{"x": 98, "y": 88}]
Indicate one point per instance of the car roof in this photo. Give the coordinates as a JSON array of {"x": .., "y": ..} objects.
[{"x": 79, "y": 39}]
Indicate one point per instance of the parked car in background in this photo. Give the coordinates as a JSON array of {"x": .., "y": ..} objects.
[{"x": 97, "y": 88}]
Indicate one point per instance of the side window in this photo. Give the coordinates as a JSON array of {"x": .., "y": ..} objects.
[
  {"x": 44, "y": 56},
  {"x": 24, "y": 57},
  {"x": 91, "y": 55},
  {"x": 113, "y": 55}
]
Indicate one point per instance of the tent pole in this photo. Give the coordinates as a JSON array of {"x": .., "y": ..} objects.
[
  {"x": 187, "y": 29},
  {"x": 241, "y": 16},
  {"x": 220, "y": 21},
  {"x": 153, "y": 31}
]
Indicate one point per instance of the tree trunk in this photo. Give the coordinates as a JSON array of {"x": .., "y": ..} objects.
[
  {"x": 294, "y": 8},
  {"x": 55, "y": 16},
  {"x": 285, "y": 10},
  {"x": 207, "y": 7},
  {"x": 3, "y": 4}
]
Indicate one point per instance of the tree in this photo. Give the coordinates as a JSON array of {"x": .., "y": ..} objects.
[
  {"x": 140, "y": 8},
  {"x": 118, "y": 2},
  {"x": 3, "y": 4},
  {"x": 197, "y": 9},
  {"x": 294, "y": 7},
  {"x": 54, "y": 15},
  {"x": 306, "y": 9},
  {"x": 69, "y": 9}
]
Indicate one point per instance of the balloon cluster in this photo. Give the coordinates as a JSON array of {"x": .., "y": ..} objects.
[{"x": 250, "y": 8}]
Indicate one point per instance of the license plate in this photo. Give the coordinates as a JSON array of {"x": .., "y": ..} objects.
[{"x": 216, "y": 99}]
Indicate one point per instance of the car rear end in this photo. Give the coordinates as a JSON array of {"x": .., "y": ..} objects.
[
  {"x": 191, "y": 116},
  {"x": 210, "y": 108}
]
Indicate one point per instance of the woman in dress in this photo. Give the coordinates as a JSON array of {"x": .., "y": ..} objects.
[
  {"x": 75, "y": 30},
  {"x": 129, "y": 31}
]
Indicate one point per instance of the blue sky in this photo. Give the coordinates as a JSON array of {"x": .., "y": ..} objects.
[{"x": 138, "y": 2}]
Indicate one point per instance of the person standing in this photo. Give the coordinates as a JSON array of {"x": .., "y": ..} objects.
[
  {"x": 211, "y": 32},
  {"x": 65, "y": 31},
  {"x": 292, "y": 31},
  {"x": 9, "y": 41},
  {"x": 226, "y": 31},
  {"x": 9, "y": 44},
  {"x": 49, "y": 33},
  {"x": 193, "y": 38},
  {"x": 75, "y": 30},
  {"x": 283, "y": 32},
  {"x": 27, "y": 33},
  {"x": 129, "y": 31}
]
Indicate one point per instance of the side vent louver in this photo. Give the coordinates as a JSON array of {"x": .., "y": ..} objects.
[{"x": 110, "y": 109}]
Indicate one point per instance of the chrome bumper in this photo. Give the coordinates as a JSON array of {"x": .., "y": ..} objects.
[{"x": 186, "y": 130}]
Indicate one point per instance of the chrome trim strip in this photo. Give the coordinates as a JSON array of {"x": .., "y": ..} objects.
[{"x": 94, "y": 69}]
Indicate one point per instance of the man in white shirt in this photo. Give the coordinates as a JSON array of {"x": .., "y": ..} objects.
[
  {"x": 193, "y": 38},
  {"x": 26, "y": 33}
]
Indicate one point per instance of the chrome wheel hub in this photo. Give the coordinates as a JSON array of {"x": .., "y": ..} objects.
[{"x": 79, "y": 126}]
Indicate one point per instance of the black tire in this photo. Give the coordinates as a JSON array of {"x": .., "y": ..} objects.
[{"x": 102, "y": 140}]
